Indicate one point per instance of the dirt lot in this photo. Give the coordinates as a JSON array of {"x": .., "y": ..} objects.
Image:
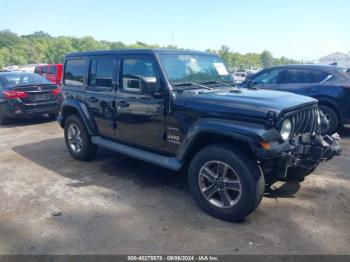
[{"x": 52, "y": 204}]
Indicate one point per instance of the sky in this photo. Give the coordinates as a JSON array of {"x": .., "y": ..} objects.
[{"x": 298, "y": 29}]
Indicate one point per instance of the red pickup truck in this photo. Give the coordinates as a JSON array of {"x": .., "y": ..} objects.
[{"x": 52, "y": 72}]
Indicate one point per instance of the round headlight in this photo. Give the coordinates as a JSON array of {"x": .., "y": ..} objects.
[{"x": 286, "y": 129}]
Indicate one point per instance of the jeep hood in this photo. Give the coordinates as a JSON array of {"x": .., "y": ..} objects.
[{"x": 242, "y": 103}]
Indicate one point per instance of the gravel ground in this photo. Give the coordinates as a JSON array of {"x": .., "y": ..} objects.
[{"x": 53, "y": 204}]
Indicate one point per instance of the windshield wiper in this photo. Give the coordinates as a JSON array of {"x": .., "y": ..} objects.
[
  {"x": 192, "y": 84},
  {"x": 218, "y": 82}
]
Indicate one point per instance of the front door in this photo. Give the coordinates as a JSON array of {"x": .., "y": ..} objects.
[
  {"x": 100, "y": 95},
  {"x": 269, "y": 79},
  {"x": 140, "y": 115}
]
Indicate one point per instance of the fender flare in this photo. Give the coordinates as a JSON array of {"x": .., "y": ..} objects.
[
  {"x": 249, "y": 133},
  {"x": 83, "y": 112}
]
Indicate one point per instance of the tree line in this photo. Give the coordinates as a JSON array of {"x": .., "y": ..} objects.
[{"x": 40, "y": 47}]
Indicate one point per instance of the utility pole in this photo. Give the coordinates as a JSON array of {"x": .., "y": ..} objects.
[{"x": 172, "y": 39}]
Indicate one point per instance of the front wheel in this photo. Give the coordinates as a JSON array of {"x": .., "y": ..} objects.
[
  {"x": 332, "y": 119},
  {"x": 78, "y": 139},
  {"x": 226, "y": 183}
]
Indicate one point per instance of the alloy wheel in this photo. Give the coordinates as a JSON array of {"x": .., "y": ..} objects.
[
  {"x": 219, "y": 184},
  {"x": 75, "y": 140}
]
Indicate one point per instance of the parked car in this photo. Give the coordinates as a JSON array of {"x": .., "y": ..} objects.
[
  {"x": 239, "y": 75},
  {"x": 179, "y": 110},
  {"x": 52, "y": 72},
  {"x": 330, "y": 85},
  {"x": 254, "y": 70},
  {"x": 25, "y": 94}
]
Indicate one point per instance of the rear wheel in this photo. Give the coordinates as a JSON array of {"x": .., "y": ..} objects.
[
  {"x": 332, "y": 118},
  {"x": 225, "y": 183},
  {"x": 78, "y": 139}
]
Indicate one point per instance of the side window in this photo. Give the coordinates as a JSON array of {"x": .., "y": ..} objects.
[
  {"x": 270, "y": 77},
  {"x": 304, "y": 76},
  {"x": 132, "y": 72},
  {"x": 101, "y": 72},
  {"x": 37, "y": 70},
  {"x": 52, "y": 70},
  {"x": 44, "y": 71},
  {"x": 74, "y": 72}
]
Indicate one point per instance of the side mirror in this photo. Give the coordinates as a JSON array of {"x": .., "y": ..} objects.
[
  {"x": 250, "y": 83},
  {"x": 133, "y": 83},
  {"x": 150, "y": 85}
]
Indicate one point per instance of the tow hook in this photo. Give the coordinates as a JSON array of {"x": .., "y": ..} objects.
[{"x": 332, "y": 146}]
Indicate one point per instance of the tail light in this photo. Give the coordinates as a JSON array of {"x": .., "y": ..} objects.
[
  {"x": 15, "y": 94},
  {"x": 56, "y": 91}
]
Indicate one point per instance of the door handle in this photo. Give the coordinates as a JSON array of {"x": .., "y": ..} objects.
[
  {"x": 93, "y": 99},
  {"x": 123, "y": 104}
]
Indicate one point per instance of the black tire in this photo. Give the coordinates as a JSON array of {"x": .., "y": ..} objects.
[
  {"x": 247, "y": 172},
  {"x": 53, "y": 116},
  {"x": 3, "y": 120},
  {"x": 333, "y": 119},
  {"x": 87, "y": 148},
  {"x": 298, "y": 173}
]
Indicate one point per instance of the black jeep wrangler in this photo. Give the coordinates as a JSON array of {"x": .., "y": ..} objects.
[{"x": 180, "y": 110}]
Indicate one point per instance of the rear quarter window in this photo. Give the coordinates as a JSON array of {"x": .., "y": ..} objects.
[
  {"x": 74, "y": 72},
  {"x": 304, "y": 76}
]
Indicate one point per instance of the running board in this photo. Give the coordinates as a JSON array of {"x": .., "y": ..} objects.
[{"x": 167, "y": 162}]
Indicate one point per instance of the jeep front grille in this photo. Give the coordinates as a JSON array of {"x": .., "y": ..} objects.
[{"x": 304, "y": 120}]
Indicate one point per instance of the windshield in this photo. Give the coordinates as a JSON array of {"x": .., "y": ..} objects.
[
  {"x": 12, "y": 79},
  {"x": 198, "y": 69}
]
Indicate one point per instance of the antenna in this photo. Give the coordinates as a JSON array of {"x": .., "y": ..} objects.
[{"x": 172, "y": 39}]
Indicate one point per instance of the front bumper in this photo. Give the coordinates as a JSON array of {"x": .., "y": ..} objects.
[
  {"x": 305, "y": 150},
  {"x": 309, "y": 150}
]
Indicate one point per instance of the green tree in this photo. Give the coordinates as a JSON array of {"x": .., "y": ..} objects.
[
  {"x": 266, "y": 59},
  {"x": 40, "y": 47}
]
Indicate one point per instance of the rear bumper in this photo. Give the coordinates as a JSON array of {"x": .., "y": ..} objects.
[{"x": 20, "y": 110}]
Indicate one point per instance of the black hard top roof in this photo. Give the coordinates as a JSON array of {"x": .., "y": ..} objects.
[{"x": 137, "y": 51}]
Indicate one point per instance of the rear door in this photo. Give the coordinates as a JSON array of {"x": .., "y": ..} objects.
[
  {"x": 141, "y": 117},
  {"x": 303, "y": 81},
  {"x": 100, "y": 94}
]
